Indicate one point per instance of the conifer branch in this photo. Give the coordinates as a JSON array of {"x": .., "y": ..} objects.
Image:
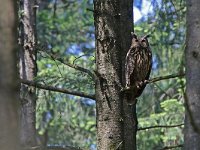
[
  {"x": 171, "y": 147},
  {"x": 56, "y": 89},
  {"x": 161, "y": 126},
  {"x": 74, "y": 66},
  {"x": 62, "y": 148},
  {"x": 156, "y": 79},
  {"x": 55, "y": 57}
]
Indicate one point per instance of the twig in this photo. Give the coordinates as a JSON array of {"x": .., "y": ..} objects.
[
  {"x": 162, "y": 90},
  {"x": 161, "y": 126},
  {"x": 171, "y": 147},
  {"x": 56, "y": 89},
  {"x": 73, "y": 65},
  {"x": 58, "y": 67},
  {"x": 66, "y": 4},
  {"x": 62, "y": 148},
  {"x": 165, "y": 77},
  {"x": 88, "y": 9},
  {"x": 54, "y": 9},
  {"x": 78, "y": 58}
]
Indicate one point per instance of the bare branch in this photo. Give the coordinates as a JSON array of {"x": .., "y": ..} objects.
[
  {"x": 171, "y": 147},
  {"x": 165, "y": 77},
  {"x": 54, "y": 57},
  {"x": 88, "y": 9},
  {"x": 155, "y": 80},
  {"x": 56, "y": 89},
  {"x": 161, "y": 126},
  {"x": 62, "y": 148},
  {"x": 61, "y": 60}
]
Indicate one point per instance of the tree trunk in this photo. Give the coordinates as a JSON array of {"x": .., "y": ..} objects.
[
  {"x": 129, "y": 111},
  {"x": 28, "y": 71},
  {"x": 116, "y": 125},
  {"x": 192, "y": 121},
  {"x": 9, "y": 94}
]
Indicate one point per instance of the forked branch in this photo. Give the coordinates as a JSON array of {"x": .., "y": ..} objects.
[
  {"x": 55, "y": 57},
  {"x": 82, "y": 69}
]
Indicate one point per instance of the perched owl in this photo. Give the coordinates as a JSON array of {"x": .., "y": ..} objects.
[{"x": 137, "y": 67}]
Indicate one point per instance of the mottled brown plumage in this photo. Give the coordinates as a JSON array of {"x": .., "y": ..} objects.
[{"x": 137, "y": 67}]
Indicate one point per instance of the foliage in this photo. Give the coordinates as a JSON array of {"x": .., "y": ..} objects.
[
  {"x": 171, "y": 114},
  {"x": 65, "y": 28},
  {"x": 162, "y": 102},
  {"x": 67, "y": 121}
]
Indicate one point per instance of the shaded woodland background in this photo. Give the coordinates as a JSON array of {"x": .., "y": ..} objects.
[{"x": 58, "y": 90}]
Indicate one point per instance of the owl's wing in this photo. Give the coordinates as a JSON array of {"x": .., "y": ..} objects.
[
  {"x": 129, "y": 75},
  {"x": 129, "y": 66}
]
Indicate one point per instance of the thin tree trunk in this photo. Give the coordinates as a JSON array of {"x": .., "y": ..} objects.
[
  {"x": 9, "y": 94},
  {"x": 28, "y": 70},
  {"x": 116, "y": 126},
  {"x": 192, "y": 121}
]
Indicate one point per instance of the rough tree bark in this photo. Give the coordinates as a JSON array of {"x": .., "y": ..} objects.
[
  {"x": 116, "y": 121},
  {"x": 28, "y": 70},
  {"x": 9, "y": 94},
  {"x": 192, "y": 53}
]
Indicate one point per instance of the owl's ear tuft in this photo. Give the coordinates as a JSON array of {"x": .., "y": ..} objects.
[
  {"x": 133, "y": 35},
  {"x": 146, "y": 36}
]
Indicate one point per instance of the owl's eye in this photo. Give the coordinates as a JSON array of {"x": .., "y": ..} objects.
[
  {"x": 143, "y": 40},
  {"x": 136, "y": 40}
]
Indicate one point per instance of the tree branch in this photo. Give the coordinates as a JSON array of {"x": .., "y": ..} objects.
[
  {"x": 82, "y": 69},
  {"x": 156, "y": 79},
  {"x": 62, "y": 148},
  {"x": 171, "y": 147},
  {"x": 56, "y": 89},
  {"x": 161, "y": 126},
  {"x": 165, "y": 77}
]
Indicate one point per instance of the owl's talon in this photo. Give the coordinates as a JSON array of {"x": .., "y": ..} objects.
[
  {"x": 125, "y": 89},
  {"x": 142, "y": 83},
  {"x": 133, "y": 103},
  {"x": 121, "y": 119},
  {"x": 146, "y": 81},
  {"x": 122, "y": 89}
]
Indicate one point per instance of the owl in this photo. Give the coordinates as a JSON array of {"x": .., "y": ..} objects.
[{"x": 138, "y": 65}]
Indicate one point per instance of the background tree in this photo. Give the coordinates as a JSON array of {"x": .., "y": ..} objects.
[
  {"x": 28, "y": 70},
  {"x": 9, "y": 94},
  {"x": 192, "y": 95}
]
